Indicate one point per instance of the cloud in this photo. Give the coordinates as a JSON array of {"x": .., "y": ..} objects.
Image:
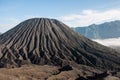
[
  {"x": 10, "y": 23},
  {"x": 109, "y": 42},
  {"x": 87, "y": 17},
  {"x": 14, "y": 20}
]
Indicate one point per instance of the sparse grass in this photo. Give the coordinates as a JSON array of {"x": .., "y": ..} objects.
[
  {"x": 35, "y": 72},
  {"x": 27, "y": 73}
]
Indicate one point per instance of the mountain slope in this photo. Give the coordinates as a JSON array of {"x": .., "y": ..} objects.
[
  {"x": 48, "y": 41},
  {"x": 102, "y": 31}
]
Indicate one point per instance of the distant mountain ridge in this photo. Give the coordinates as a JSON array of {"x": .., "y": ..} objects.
[{"x": 101, "y": 31}]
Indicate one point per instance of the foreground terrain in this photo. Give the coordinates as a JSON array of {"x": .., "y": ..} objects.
[{"x": 35, "y": 72}]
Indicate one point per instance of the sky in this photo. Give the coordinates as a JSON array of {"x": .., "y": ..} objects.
[{"x": 74, "y": 13}]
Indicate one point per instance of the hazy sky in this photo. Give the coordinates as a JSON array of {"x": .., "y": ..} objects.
[{"x": 72, "y": 12}]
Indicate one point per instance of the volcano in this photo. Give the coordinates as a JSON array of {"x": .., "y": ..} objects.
[{"x": 44, "y": 41}]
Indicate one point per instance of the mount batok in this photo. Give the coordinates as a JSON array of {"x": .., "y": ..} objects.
[{"x": 44, "y": 41}]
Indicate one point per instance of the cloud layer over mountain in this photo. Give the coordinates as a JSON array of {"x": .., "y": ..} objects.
[{"x": 109, "y": 42}]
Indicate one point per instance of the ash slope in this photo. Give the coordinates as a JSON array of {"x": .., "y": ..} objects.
[{"x": 48, "y": 41}]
